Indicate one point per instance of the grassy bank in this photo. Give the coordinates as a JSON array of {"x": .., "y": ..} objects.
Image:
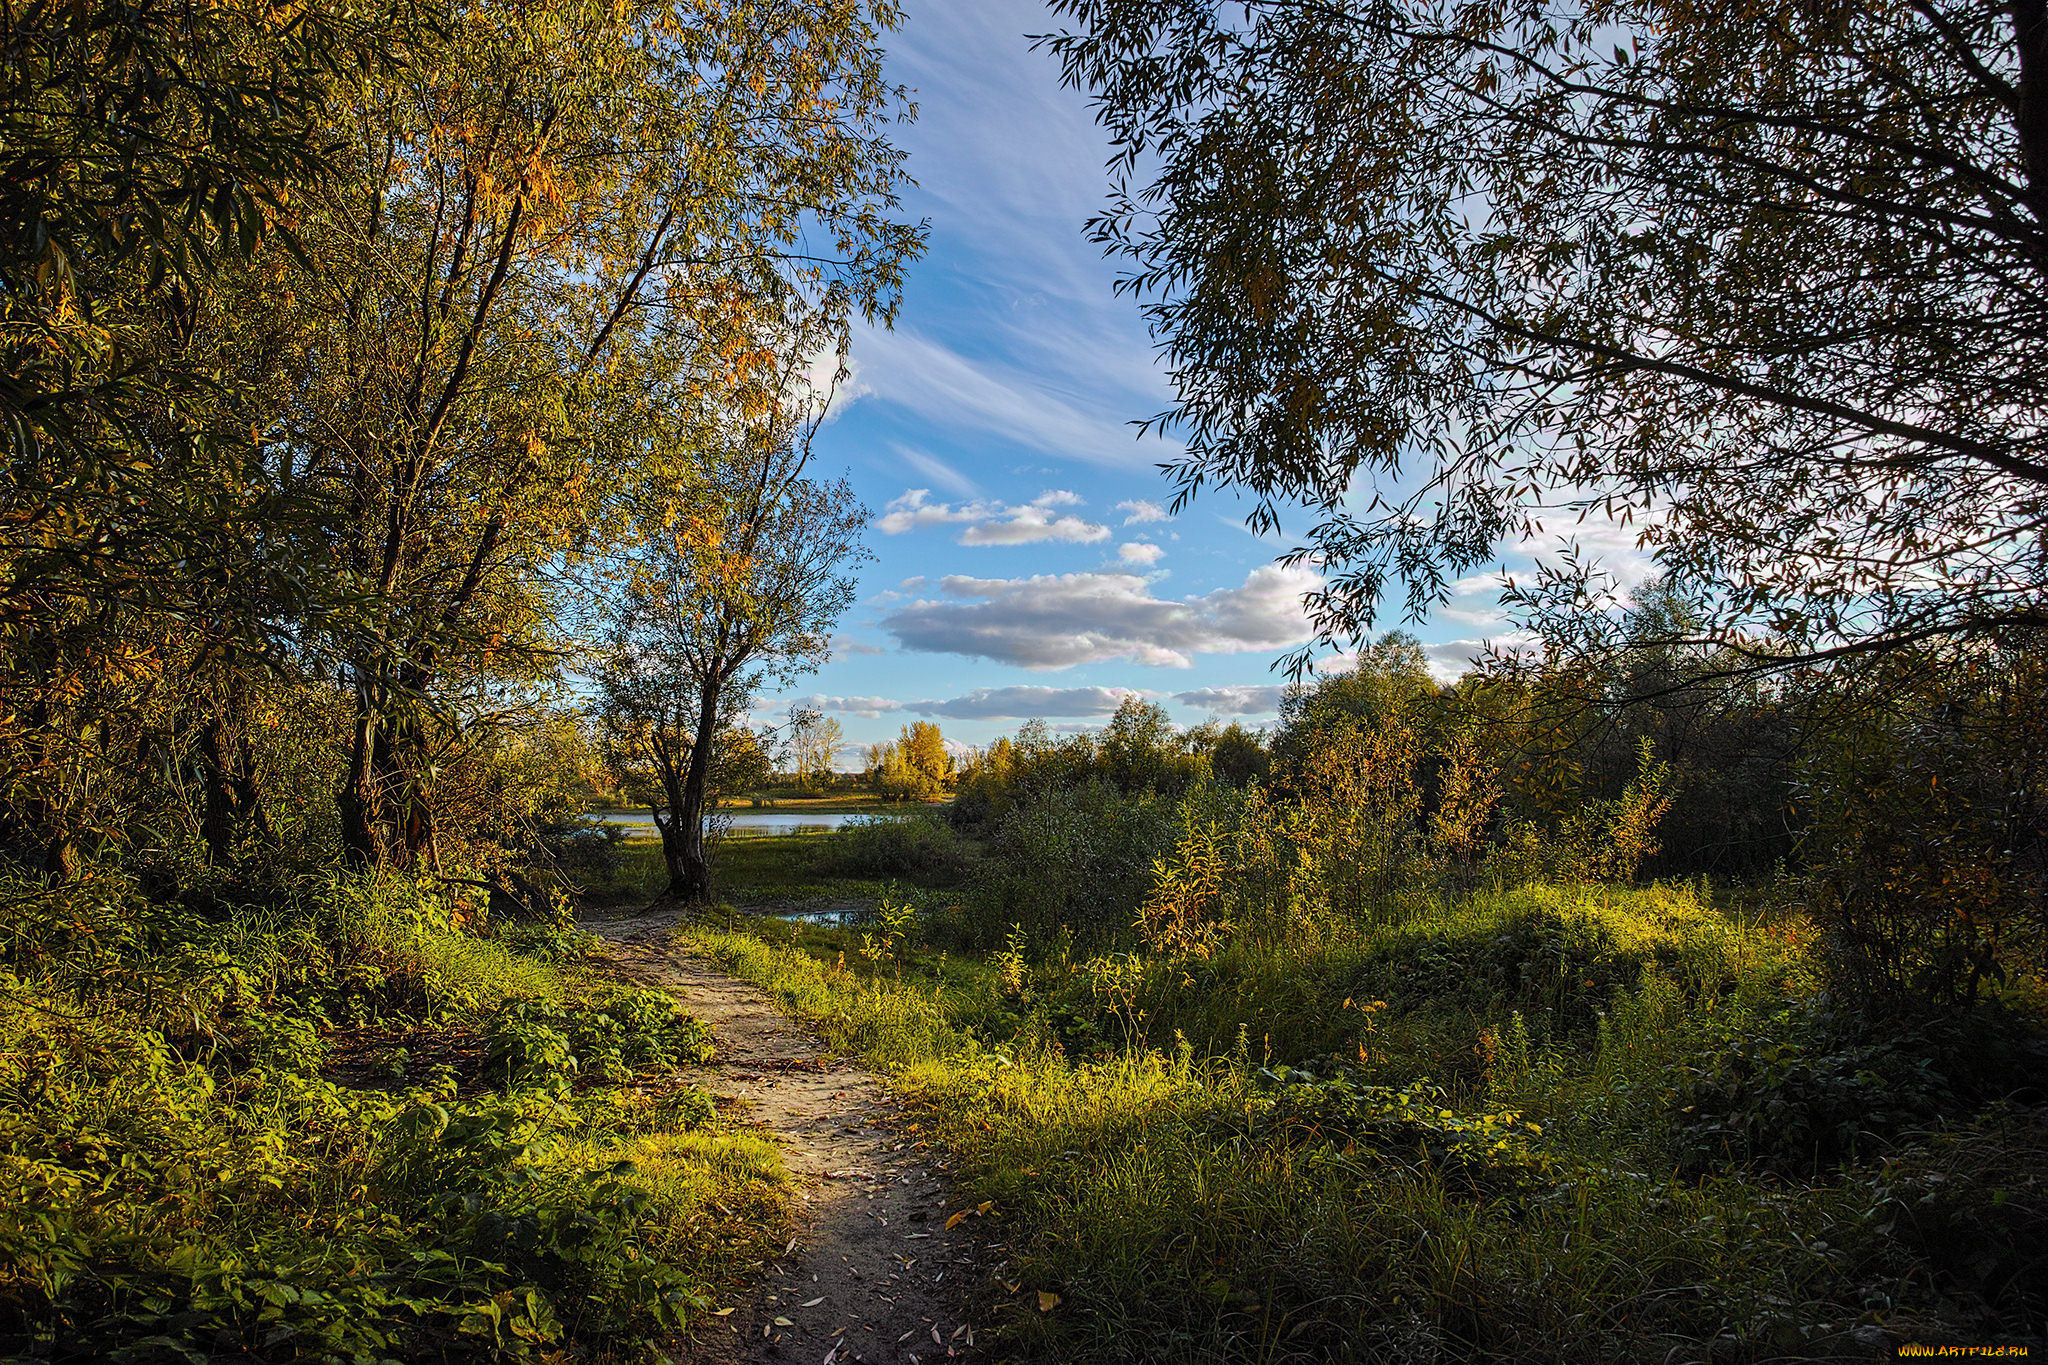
[
  {"x": 1549, "y": 1123},
  {"x": 332, "y": 1123}
]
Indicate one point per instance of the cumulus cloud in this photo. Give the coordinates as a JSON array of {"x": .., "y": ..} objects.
[
  {"x": 868, "y": 708},
  {"x": 983, "y": 703},
  {"x": 1453, "y": 659},
  {"x": 1475, "y": 601},
  {"x": 1057, "y": 621},
  {"x": 1247, "y": 699},
  {"x": 841, "y": 644},
  {"x": 993, "y": 523},
  {"x": 1141, "y": 510},
  {"x": 1138, "y": 552}
]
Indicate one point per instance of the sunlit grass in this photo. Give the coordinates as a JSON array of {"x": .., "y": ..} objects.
[{"x": 1148, "y": 1183}]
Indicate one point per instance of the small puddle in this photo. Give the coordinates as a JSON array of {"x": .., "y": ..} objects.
[{"x": 837, "y": 919}]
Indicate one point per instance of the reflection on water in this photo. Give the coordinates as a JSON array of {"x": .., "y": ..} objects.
[
  {"x": 746, "y": 821},
  {"x": 837, "y": 919}
]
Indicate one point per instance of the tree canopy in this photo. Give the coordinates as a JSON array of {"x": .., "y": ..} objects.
[{"x": 1766, "y": 286}]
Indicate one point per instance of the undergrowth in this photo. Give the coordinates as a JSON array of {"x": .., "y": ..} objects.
[
  {"x": 1549, "y": 1123},
  {"x": 329, "y": 1123}
]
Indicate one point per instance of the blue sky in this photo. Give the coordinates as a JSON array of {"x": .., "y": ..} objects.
[{"x": 1025, "y": 565}]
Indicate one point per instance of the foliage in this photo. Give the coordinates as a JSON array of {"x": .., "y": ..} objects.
[
  {"x": 922, "y": 845},
  {"x": 1929, "y": 831},
  {"x": 532, "y": 1043},
  {"x": 1069, "y": 864},
  {"x": 914, "y": 768},
  {"x": 1252, "y": 1158},
  {"x": 193, "y": 1167},
  {"x": 1701, "y": 302},
  {"x": 1139, "y": 751}
]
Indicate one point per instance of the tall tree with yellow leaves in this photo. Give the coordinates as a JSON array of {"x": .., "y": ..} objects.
[{"x": 556, "y": 250}]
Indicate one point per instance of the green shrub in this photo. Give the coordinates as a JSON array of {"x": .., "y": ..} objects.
[
  {"x": 1804, "y": 1090},
  {"x": 540, "y": 1045},
  {"x": 921, "y": 845},
  {"x": 1069, "y": 862}
]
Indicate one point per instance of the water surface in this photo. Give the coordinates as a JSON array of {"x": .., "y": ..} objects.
[{"x": 746, "y": 821}]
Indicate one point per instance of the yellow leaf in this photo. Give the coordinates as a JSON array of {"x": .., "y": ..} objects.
[
  {"x": 983, "y": 1210},
  {"x": 1047, "y": 1301},
  {"x": 956, "y": 1220}
]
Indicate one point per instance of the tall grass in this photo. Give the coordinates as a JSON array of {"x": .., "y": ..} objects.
[{"x": 1455, "y": 1134}]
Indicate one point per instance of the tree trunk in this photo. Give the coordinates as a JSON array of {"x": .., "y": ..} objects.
[
  {"x": 355, "y": 800},
  {"x": 690, "y": 870}
]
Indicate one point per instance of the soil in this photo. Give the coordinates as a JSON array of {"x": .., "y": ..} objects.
[{"x": 873, "y": 1274}]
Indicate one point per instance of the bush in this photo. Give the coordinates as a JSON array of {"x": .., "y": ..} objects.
[
  {"x": 922, "y": 845},
  {"x": 179, "y": 1181},
  {"x": 1804, "y": 1090},
  {"x": 1072, "y": 862},
  {"x": 534, "y": 1044}
]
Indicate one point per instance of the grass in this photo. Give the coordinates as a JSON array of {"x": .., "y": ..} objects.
[
  {"x": 1460, "y": 1135},
  {"x": 778, "y": 873}
]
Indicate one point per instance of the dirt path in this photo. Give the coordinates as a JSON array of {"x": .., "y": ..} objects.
[{"x": 872, "y": 1274}]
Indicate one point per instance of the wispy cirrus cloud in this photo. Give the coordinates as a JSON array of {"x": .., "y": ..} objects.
[
  {"x": 938, "y": 471},
  {"x": 988, "y": 396},
  {"x": 1057, "y": 621}
]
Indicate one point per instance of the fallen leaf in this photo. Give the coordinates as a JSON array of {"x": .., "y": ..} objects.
[
  {"x": 1047, "y": 1301},
  {"x": 723, "y": 1313},
  {"x": 785, "y": 1322},
  {"x": 812, "y": 1303},
  {"x": 956, "y": 1220},
  {"x": 984, "y": 1209}
]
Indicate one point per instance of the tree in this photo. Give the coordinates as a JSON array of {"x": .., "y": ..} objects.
[
  {"x": 1770, "y": 286},
  {"x": 151, "y": 565},
  {"x": 814, "y": 743},
  {"x": 915, "y": 768},
  {"x": 1237, "y": 756},
  {"x": 555, "y": 256},
  {"x": 741, "y": 592}
]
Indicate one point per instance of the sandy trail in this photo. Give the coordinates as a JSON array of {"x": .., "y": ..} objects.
[{"x": 873, "y": 1275}]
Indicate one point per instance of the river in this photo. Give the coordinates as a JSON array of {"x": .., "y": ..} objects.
[{"x": 746, "y": 821}]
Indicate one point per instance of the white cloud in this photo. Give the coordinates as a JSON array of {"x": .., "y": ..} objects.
[
  {"x": 867, "y": 708},
  {"x": 1138, "y": 552},
  {"x": 1247, "y": 699},
  {"x": 1142, "y": 510},
  {"x": 1002, "y": 399},
  {"x": 1057, "y": 621},
  {"x": 991, "y": 523},
  {"x": 1450, "y": 660},
  {"x": 843, "y": 644},
  {"x": 1028, "y": 703}
]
